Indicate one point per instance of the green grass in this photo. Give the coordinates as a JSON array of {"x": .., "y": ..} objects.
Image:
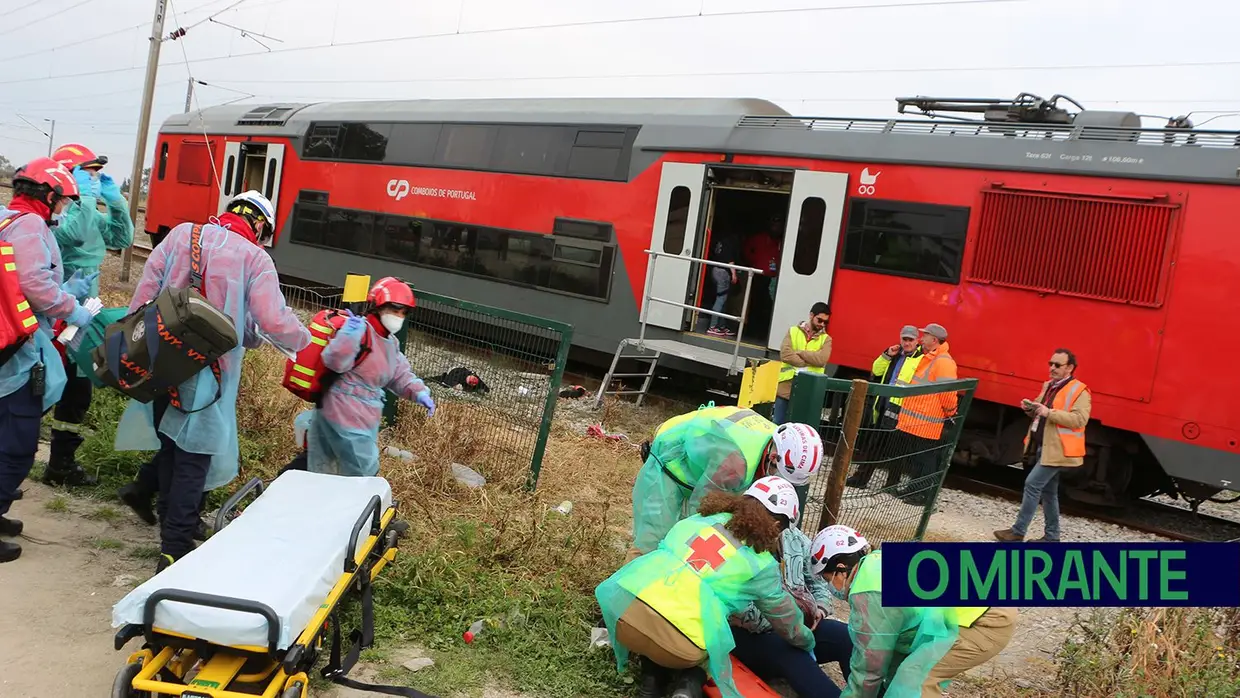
[
  {"x": 105, "y": 513},
  {"x": 106, "y": 544},
  {"x": 57, "y": 505}
]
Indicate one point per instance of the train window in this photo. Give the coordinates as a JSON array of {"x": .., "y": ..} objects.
[
  {"x": 366, "y": 142},
  {"x": 270, "y": 186},
  {"x": 594, "y": 162},
  {"x": 309, "y": 225},
  {"x": 535, "y": 260},
  {"x": 587, "y": 230},
  {"x": 413, "y": 144},
  {"x": 323, "y": 142},
  {"x": 530, "y": 149},
  {"x": 465, "y": 145},
  {"x": 163, "y": 160},
  {"x": 583, "y": 271},
  {"x": 677, "y": 220},
  {"x": 809, "y": 236},
  {"x": 901, "y": 238},
  {"x": 228, "y": 174}
]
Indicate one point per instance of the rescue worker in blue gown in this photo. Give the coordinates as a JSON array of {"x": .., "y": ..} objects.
[
  {"x": 344, "y": 435},
  {"x": 197, "y": 443},
  {"x": 32, "y": 377},
  {"x": 84, "y": 236}
]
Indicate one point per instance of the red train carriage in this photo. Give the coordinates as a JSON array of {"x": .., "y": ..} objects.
[{"x": 1029, "y": 230}]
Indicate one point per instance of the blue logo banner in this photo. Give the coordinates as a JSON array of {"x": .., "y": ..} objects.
[{"x": 1061, "y": 574}]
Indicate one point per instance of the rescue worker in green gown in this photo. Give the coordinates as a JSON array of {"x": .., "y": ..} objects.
[
  {"x": 84, "y": 236},
  {"x": 671, "y": 605},
  {"x": 713, "y": 449},
  {"x": 911, "y": 652}
]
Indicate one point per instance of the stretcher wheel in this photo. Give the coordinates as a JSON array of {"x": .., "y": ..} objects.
[
  {"x": 122, "y": 687},
  {"x": 293, "y": 691}
]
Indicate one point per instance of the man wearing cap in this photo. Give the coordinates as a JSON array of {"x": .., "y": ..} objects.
[
  {"x": 84, "y": 235},
  {"x": 894, "y": 366},
  {"x": 922, "y": 417}
]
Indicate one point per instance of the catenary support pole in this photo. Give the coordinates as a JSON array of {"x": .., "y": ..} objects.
[{"x": 144, "y": 124}]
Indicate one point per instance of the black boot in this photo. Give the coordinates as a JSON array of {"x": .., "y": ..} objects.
[
  {"x": 20, "y": 493},
  {"x": 67, "y": 473},
  {"x": 142, "y": 506},
  {"x": 9, "y": 551},
  {"x": 165, "y": 561},
  {"x": 689, "y": 683},
  {"x": 10, "y": 527},
  {"x": 200, "y": 533},
  {"x": 654, "y": 680}
]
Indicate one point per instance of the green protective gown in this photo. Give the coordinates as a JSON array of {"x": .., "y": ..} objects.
[
  {"x": 713, "y": 448},
  {"x": 697, "y": 577},
  {"x": 84, "y": 235},
  {"x": 893, "y": 648}
]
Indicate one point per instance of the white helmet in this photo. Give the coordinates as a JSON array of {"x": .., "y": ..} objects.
[
  {"x": 832, "y": 541},
  {"x": 799, "y": 448},
  {"x": 258, "y": 201},
  {"x": 777, "y": 495}
]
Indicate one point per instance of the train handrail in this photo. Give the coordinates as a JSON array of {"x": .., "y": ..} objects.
[{"x": 647, "y": 298}]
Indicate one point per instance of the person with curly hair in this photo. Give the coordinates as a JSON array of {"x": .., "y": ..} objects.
[{"x": 672, "y": 605}]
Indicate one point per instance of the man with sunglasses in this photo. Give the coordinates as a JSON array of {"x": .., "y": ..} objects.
[
  {"x": 84, "y": 235},
  {"x": 1055, "y": 440}
]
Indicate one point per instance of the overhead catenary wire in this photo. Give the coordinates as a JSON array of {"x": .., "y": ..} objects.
[{"x": 52, "y": 15}]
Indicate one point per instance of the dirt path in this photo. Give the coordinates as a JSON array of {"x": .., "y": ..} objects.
[{"x": 80, "y": 557}]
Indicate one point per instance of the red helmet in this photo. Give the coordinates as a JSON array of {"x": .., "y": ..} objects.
[
  {"x": 73, "y": 155},
  {"x": 391, "y": 291},
  {"x": 51, "y": 173}
]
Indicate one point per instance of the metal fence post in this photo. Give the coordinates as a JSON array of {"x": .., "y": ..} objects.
[
  {"x": 962, "y": 410},
  {"x": 843, "y": 454},
  {"x": 805, "y": 405},
  {"x": 553, "y": 394}
]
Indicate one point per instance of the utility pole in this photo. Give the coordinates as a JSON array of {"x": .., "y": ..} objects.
[
  {"x": 51, "y": 137},
  {"x": 189, "y": 95},
  {"x": 144, "y": 125}
]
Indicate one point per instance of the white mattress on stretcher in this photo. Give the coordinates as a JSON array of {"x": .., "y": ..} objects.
[{"x": 286, "y": 550}]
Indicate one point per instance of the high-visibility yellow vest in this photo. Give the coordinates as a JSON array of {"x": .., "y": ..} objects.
[
  {"x": 702, "y": 554},
  {"x": 870, "y": 578},
  {"x": 1073, "y": 440},
  {"x": 750, "y": 431},
  {"x": 799, "y": 343}
]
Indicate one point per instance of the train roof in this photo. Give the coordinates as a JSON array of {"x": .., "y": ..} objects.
[{"x": 1097, "y": 143}]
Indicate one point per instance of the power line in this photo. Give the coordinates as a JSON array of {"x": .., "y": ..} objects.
[
  {"x": 10, "y": 30},
  {"x": 78, "y": 42}
]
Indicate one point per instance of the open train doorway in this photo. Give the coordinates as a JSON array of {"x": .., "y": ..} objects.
[
  {"x": 253, "y": 165},
  {"x": 746, "y": 220}
]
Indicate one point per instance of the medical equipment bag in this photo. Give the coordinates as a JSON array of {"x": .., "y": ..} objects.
[
  {"x": 306, "y": 376},
  {"x": 167, "y": 341},
  {"x": 81, "y": 351},
  {"x": 17, "y": 320}
]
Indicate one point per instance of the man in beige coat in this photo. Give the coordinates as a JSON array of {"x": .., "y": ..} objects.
[{"x": 1056, "y": 440}]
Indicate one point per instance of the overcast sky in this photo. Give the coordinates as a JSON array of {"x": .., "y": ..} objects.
[{"x": 81, "y": 62}]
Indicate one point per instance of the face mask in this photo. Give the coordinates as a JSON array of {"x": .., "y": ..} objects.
[{"x": 392, "y": 323}]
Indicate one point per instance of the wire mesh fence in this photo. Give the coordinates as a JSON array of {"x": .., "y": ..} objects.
[
  {"x": 889, "y": 450},
  {"x": 497, "y": 373}
]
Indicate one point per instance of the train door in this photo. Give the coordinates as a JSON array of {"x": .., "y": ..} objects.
[
  {"x": 807, "y": 262},
  {"x": 674, "y": 232},
  {"x": 251, "y": 165}
]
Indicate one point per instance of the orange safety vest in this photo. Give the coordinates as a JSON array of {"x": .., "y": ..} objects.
[
  {"x": 924, "y": 415},
  {"x": 1073, "y": 440}
]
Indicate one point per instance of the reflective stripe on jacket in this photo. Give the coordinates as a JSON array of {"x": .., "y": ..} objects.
[
  {"x": 1069, "y": 415},
  {"x": 796, "y": 336},
  {"x": 924, "y": 415}
]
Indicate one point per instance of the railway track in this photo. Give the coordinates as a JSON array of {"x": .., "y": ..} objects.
[{"x": 1141, "y": 515}]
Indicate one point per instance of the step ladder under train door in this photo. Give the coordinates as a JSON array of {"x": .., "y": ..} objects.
[{"x": 654, "y": 349}]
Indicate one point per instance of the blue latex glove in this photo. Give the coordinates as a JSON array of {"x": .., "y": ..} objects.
[
  {"x": 424, "y": 399},
  {"x": 348, "y": 313},
  {"x": 87, "y": 185},
  {"x": 80, "y": 317},
  {"x": 354, "y": 325},
  {"x": 109, "y": 190},
  {"x": 79, "y": 286}
]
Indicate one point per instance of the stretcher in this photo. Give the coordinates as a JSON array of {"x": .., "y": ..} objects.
[
  {"x": 747, "y": 683},
  {"x": 249, "y": 612}
]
